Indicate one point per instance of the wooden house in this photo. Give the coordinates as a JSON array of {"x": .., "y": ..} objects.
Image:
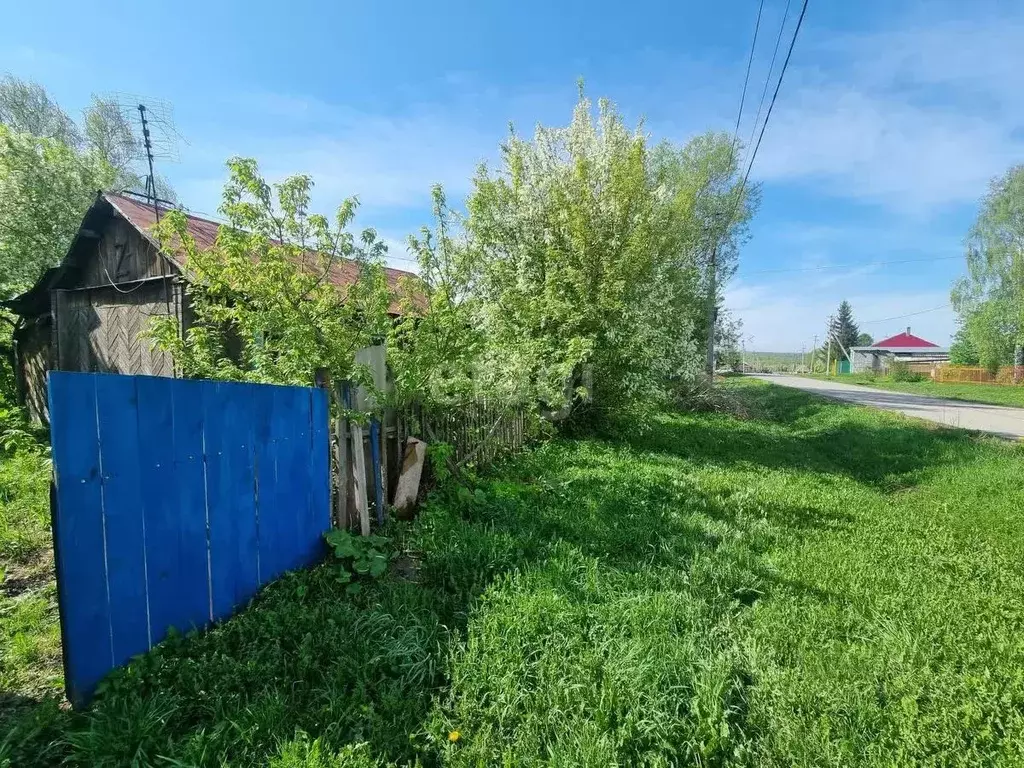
[{"x": 87, "y": 313}]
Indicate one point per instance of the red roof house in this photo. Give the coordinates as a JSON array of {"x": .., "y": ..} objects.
[
  {"x": 903, "y": 346},
  {"x": 905, "y": 341}
]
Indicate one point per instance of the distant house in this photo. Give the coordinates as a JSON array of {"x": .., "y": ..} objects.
[
  {"x": 87, "y": 313},
  {"x": 903, "y": 346}
]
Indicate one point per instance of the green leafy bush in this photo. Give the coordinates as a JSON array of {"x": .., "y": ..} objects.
[
  {"x": 17, "y": 434},
  {"x": 900, "y": 371},
  {"x": 358, "y": 557}
]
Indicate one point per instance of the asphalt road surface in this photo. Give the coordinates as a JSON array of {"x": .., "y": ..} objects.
[{"x": 998, "y": 420}]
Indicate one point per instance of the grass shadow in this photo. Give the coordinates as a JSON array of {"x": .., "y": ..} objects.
[{"x": 791, "y": 430}]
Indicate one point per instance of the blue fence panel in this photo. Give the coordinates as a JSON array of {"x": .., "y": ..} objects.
[
  {"x": 266, "y": 487},
  {"x": 79, "y": 547},
  {"x": 230, "y": 500},
  {"x": 175, "y": 500},
  {"x": 117, "y": 425},
  {"x": 318, "y": 503}
]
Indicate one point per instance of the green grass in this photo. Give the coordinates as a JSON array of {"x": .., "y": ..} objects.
[
  {"x": 29, "y": 629},
  {"x": 995, "y": 394},
  {"x": 816, "y": 585}
]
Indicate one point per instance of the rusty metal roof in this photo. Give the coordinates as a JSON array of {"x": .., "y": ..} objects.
[{"x": 342, "y": 272}]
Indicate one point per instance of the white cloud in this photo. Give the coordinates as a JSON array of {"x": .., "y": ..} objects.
[
  {"x": 877, "y": 149},
  {"x": 914, "y": 119},
  {"x": 387, "y": 162}
]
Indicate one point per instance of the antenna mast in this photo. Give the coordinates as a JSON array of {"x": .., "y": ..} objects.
[
  {"x": 151, "y": 178},
  {"x": 141, "y": 131}
]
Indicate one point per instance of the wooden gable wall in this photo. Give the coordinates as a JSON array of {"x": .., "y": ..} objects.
[
  {"x": 121, "y": 255},
  {"x": 120, "y": 283}
]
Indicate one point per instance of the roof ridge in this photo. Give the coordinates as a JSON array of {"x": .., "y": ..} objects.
[
  {"x": 212, "y": 222},
  {"x": 900, "y": 339}
]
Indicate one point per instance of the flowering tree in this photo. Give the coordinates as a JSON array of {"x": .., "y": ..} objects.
[
  {"x": 45, "y": 187},
  {"x": 435, "y": 346},
  {"x": 589, "y": 251}
]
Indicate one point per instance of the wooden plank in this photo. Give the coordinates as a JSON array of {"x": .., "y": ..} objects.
[
  {"x": 291, "y": 424},
  {"x": 342, "y": 468},
  {"x": 359, "y": 479},
  {"x": 378, "y": 490},
  {"x": 116, "y": 405},
  {"x": 270, "y": 562},
  {"x": 191, "y": 570},
  {"x": 168, "y": 604},
  {"x": 384, "y": 456},
  {"x": 318, "y": 511},
  {"x": 230, "y": 502},
  {"x": 78, "y": 535}
]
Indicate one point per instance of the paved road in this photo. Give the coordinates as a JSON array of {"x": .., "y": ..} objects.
[{"x": 996, "y": 419}]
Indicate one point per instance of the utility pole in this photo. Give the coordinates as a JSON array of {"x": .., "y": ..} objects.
[
  {"x": 711, "y": 312},
  {"x": 803, "y": 356},
  {"x": 814, "y": 352},
  {"x": 828, "y": 355}
]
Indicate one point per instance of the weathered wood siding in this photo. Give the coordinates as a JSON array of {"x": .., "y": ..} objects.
[
  {"x": 35, "y": 360},
  {"x": 122, "y": 255},
  {"x": 98, "y": 329}
]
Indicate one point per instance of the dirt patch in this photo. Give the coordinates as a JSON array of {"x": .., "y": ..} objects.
[
  {"x": 30, "y": 576},
  {"x": 407, "y": 566}
]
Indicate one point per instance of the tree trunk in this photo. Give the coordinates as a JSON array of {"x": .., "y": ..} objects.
[{"x": 1018, "y": 363}]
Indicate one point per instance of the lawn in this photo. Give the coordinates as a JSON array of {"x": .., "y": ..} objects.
[
  {"x": 817, "y": 584},
  {"x": 996, "y": 394}
]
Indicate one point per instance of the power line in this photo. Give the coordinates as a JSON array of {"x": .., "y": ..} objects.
[
  {"x": 852, "y": 266},
  {"x": 767, "y": 117},
  {"x": 712, "y": 268},
  {"x": 771, "y": 68},
  {"x": 771, "y": 106},
  {"x": 746, "y": 77},
  {"x": 909, "y": 314}
]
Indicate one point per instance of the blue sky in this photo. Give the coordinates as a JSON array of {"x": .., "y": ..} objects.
[{"x": 892, "y": 118}]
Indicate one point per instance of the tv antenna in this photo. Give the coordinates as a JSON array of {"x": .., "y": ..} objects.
[{"x": 144, "y": 132}]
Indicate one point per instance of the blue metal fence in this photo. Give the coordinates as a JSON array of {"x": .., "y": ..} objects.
[{"x": 175, "y": 500}]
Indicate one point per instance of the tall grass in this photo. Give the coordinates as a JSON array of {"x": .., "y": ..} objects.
[
  {"x": 29, "y": 632},
  {"x": 814, "y": 585}
]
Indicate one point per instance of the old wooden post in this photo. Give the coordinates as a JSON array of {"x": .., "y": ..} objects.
[
  {"x": 341, "y": 448},
  {"x": 322, "y": 380},
  {"x": 375, "y": 460},
  {"x": 359, "y": 471}
]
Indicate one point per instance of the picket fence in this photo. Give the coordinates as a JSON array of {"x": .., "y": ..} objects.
[
  {"x": 477, "y": 433},
  {"x": 1005, "y": 374}
]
